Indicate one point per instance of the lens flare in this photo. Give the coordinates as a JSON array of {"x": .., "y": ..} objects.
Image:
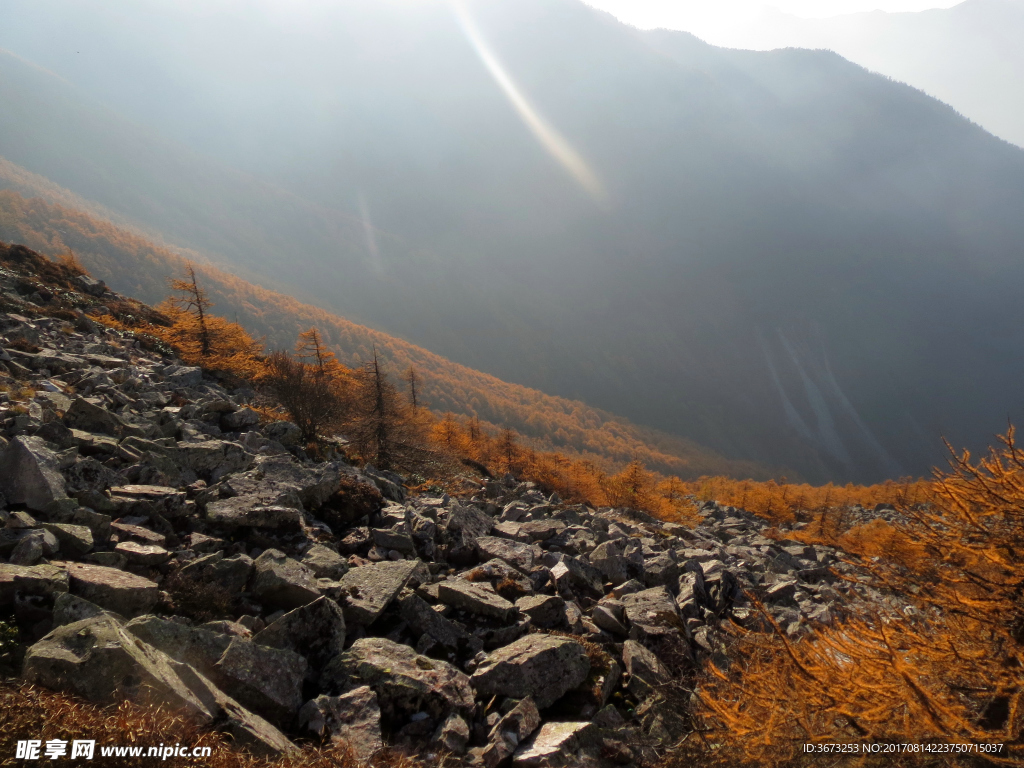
[{"x": 549, "y": 137}]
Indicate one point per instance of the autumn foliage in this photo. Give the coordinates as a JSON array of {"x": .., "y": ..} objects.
[{"x": 948, "y": 668}]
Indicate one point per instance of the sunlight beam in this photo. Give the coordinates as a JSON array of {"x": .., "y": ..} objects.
[{"x": 549, "y": 137}]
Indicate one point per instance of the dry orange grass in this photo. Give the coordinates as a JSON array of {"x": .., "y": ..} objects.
[{"x": 29, "y": 712}]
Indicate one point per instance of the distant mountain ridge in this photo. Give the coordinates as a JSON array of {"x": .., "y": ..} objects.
[
  {"x": 968, "y": 56},
  {"x": 796, "y": 262}
]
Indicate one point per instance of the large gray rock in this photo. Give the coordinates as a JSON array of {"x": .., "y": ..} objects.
[
  {"x": 74, "y": 540},
  {"x": 101, "y": 662},
  {"x": 463, "y": 527},
  {"x": 199, "y": 648},
  {"x": 148, "y": 500},
  {"x": 516, "y": 554},
  {"x": 325, "y": 562},
  {"x": 30, "y": 474},
  {"x": 43, "y": 580},
  {"x": 210, "y": 459},
  {"x": 185, "y": 376},
  {"x": 266, "y": 680},
  {"x": 452, "y": 735},
  {"x": 284, "y": 432},
  {"x": 352, "y": 718},
  {"x": 425, "y": 621},
  {"x": 652, "y": 614},
  {"x": 645, "y": 670},
  {"x": 241, "y": 419},
  {"x": 618, "y": 560},
  {"x": 117, "y": 591},
  {"x": 553, "y": 745},
  {"x": 477, "y": 598},
  {"x": 403, "y": 680},
  {"x": 231, "y": 573},
  {"x": 369, "y": 589},
  {"x": 546, "y": 611},
  {"x": 68, "y": 608},
  {"x": 142, "y": 554},
  {"x": 315, "y": 631},
  {"x": 544, "y": 667},
  {"x": 89, "y": 417},
  {"x": 282, "y": 582},
  {"x": 280, "y": 481}
]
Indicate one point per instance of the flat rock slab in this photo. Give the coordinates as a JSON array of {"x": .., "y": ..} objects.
[
  {"x": 45, "y": 580},
  {"x": 403, "y": 680},
  {"x": 544, "y": 667},
  {"x": 143, "y": 554},
  {"x": 552, "y": 745},
  {"x": 369, "y": 589},
  {"x": 117, "y": 591},
  {"x": 514, "y": 553},
  {"x": 149, "y": 500},
  {"x": 477, "y": 598},
  {"x": 353, "y": 718},
  {"x": 246, "y": 511}
]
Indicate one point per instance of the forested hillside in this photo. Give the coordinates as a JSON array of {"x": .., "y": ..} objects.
[
  {"x": 135, "y": 266},
  {"x": 777, "y": 254}
]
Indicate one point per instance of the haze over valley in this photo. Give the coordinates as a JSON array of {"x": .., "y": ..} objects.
[{"x": 778, "y": 254}]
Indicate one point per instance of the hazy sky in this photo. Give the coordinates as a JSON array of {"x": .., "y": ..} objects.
[{"x": 717, "y": 20}]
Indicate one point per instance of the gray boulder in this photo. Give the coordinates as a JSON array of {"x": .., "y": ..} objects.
[
  {"x": 403, "y": 680},
  {"x": 315, "y": 631},
  {"x": 352, "y": 718},
  {"x": 645, "y": 670},
  {"x": 244, "y": 511},
  {"x": 30, "y": 474},
  {"x": 544, "y": 667},
  {"x": 266, "y": 680},
  {"x": 118, "y": 591},
  {"x": 43, "y": 580},
  {"x": 516, "y": 554},
  {"x": 477, "y": 598},
  {"x": 511, "y": 731},
  {"x": 425, "y": 621},
  {"x": 325, "y": 562},
  {"x": 366, "y": 591},
  {"x": 199, "y": 648},
  {"x": 282, "y": 582},
  {"x": 452, "y": 734},
  {"x": 231, "y": 573},
  {"x": 547, "y": 611},
  {"x": 98, "y": 660}
]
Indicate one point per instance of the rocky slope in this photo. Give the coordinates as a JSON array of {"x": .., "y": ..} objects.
[{"x": 160, "y": 543}]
